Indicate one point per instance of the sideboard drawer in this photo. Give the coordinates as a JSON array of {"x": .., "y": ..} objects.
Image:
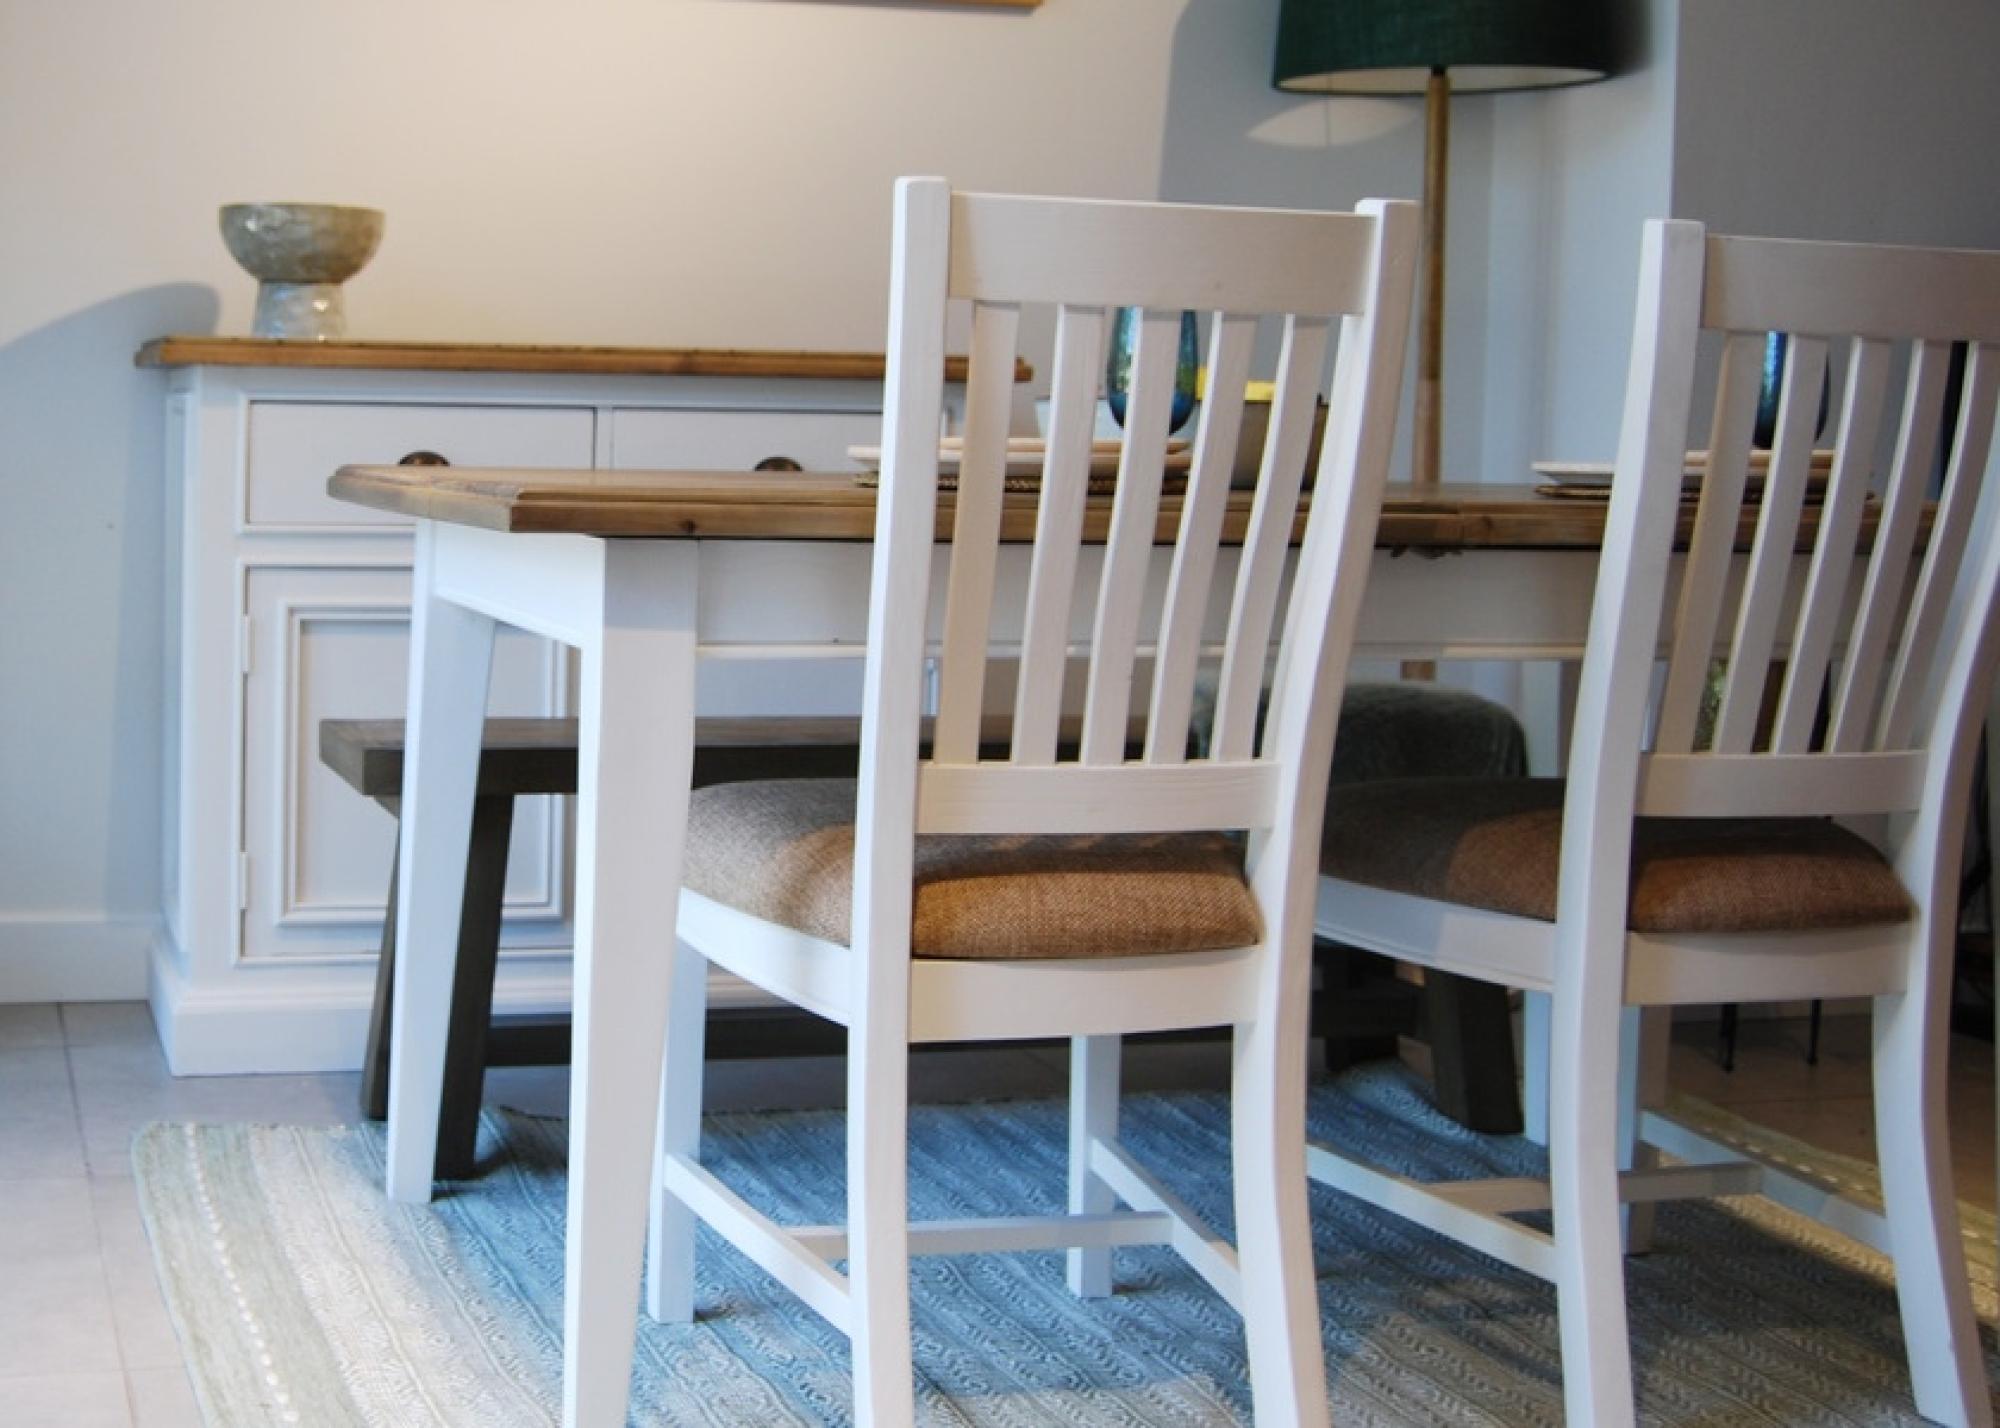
[
  {"x": 293, "y": 447},
  {"x": 738, "y": 440}
]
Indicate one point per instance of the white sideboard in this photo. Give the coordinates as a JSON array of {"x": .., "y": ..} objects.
[{"x": 285, "y": 607}]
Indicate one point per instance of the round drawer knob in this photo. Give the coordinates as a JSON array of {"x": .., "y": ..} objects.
[
  {"x": 423, "y": 458},
  {"x": 777, "y": 463}
]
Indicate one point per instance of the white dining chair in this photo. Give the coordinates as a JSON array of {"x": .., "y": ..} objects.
[
  {"x": 1666, "y": 871},
  {"x": 950, "y": 897}
]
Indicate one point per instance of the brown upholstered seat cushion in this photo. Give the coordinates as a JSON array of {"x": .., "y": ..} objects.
[
  {"x": 1493, "y": 843},
  {"x": 783, "y": 850}
]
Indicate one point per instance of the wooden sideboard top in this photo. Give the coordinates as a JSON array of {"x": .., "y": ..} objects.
[{"x": 201, "y": 351}]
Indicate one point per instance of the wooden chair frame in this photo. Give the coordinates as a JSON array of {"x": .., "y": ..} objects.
[
  {"x": 999, "y": 252},
  {"x": 1906, "y": 663}
]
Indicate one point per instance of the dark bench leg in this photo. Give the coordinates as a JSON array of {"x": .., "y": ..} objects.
[
  {"x": 1361, "y": 1007},
  {"x": 471, "y": 992},
  {"x": 1472, "y": 1052},
  {"x": 375, "y": 1061}
]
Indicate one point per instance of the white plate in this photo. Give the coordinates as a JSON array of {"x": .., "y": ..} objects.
[{"x": 1598, "y": 473}]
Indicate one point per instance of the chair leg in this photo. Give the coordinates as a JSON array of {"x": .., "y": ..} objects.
[
  {"x": 1589, "y": 1248},
  {"x": 1947, "y": 1365},
  {"x": 670, "y": 1265},
  {"x": 1643, "y": 1048},
  {"x": 1093, "y": 1115},
  {"x": 878, "y": 1213},
  {"x": 1273, "y": 1226}
]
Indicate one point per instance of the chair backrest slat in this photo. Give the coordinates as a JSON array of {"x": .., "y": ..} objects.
[
  {"x": 1177, "y": 653},
  {"x": 1771, "y": 550},
  {"x": 1128, "y": 556},
  {"x": 975, "y": 535},
  {"x": 1945, "y": 551},
  {"x": 1717, "y": 516},
  {"x": 1038, "y": 696},
  {"x": 1833, "y": 550},
  {"x": 1273, "y": 512},
  {"x": 1856, "y": 703}
]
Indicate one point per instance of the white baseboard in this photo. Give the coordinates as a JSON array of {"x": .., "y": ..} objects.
[
  {"x": 74, "y": 958},
  {"x": 272, "y": 1025}
]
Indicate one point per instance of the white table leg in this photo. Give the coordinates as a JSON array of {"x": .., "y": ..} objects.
[
  {"x": 451, "y": 654},
  {"x": 636, "y": 754}
]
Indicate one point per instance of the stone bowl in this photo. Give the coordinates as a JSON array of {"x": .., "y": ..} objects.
[
  {"x": 301, "y": 242},
  {"x": 300, "y": 254}
]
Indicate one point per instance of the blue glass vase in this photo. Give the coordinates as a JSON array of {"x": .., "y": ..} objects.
[
  {"x": 1771, "y": 387},
  {"x": 1118, "y": 366}
]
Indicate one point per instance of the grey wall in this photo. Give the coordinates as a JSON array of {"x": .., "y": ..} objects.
[{"x": 1842, "y": 119}]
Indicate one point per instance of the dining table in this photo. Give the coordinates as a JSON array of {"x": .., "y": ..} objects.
[{"x": 649, "y": 575}]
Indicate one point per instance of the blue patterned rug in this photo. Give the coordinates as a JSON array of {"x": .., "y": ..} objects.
[{"x": 302, "y": 1296}]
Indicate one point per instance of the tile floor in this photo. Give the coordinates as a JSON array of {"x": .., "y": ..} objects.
[{"x": 84, "y": 1338}]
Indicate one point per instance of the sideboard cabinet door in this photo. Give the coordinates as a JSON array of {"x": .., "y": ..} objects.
[{"x": 329, "y": 643}]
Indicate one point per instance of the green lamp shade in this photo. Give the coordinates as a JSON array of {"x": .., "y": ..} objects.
[{"x": 1391, "y": 46}]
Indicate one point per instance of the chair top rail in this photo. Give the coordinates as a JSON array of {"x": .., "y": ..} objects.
[
  {"x": 1853, "y": 289},
  {"x": 1016, "y": 249}
]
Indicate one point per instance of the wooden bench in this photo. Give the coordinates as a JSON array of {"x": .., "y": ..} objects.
[{"x": 530, "y": 756}]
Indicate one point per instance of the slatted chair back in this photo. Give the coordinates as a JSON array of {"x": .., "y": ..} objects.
[
  {"x": 1879, "y": 656},
  {"x": 1307, "y": 272}
]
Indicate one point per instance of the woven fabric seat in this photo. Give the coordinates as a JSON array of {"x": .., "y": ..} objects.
[
  {"x": 783, "y": 850},
  {"x": 1496, "y": 844}
]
